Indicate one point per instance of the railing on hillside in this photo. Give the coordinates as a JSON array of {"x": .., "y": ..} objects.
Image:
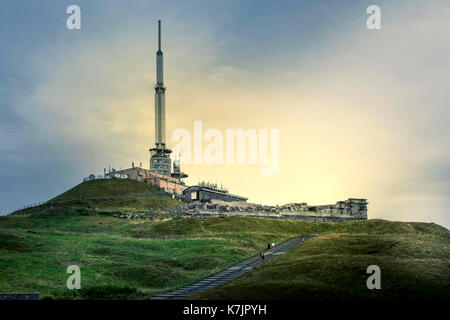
[
  {"x": 36, "y": 204},
  {"x": 117, "y": 196}
]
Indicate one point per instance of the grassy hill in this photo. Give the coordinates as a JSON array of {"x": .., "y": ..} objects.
[
  {"x": 132, "y": 259},
  {"x": 105, "y": 196},
  {"x": 104, "y": 188},
  {"x": 147, "y": 255},
  {"x": 414, "y": 259}
]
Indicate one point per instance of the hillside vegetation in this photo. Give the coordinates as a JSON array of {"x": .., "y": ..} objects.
[
  {"x": 414, "y": 259},
  {"x": 104, "y": 188},
  {"x": 106, "y": 196},
  {"x": 147, "y": 255},
  {"x": 135, "y": 258}
]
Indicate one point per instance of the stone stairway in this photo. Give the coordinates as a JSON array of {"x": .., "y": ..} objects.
[{"x": 231, "y": 272}]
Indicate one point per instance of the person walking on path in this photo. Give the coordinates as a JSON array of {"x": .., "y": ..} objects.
[{"x": 262, "y": 257}]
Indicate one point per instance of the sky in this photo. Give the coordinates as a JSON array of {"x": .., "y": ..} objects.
[{"x": 361, "y": 113}]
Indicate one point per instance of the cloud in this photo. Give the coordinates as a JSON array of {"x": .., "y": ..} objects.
[{"x": 360, "y": 113}]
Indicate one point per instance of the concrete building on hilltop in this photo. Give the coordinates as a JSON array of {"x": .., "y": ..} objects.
[
  {"x": 161, "y": 181},
  {"x": 206, "y": 192},
  {"x": 350, "y": 209}
]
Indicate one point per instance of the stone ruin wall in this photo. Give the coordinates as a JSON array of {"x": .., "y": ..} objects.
[{"x": 351, "y": 209}]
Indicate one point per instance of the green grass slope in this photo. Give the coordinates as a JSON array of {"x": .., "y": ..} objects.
[
  {"x": 133, "y": 259},
  {"x": 414, "y": 259},
  {"x": 149, "y": 256},
  {"x": 107, "y": 196},
  {"x": 103, "y": 188}
]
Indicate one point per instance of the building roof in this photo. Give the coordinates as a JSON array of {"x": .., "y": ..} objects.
[{"x": 215, "y": 191}]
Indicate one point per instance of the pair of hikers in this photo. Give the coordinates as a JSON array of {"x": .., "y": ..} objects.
[{"x": 269, "y": 246}]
